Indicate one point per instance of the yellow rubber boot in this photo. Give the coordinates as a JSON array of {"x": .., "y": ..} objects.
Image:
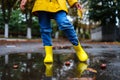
[
  {"x": 81, "y": 67},
  {"x": 49, "y": 54},
  {"x": 81, "y": 54},
  {"x": 48, "y": 70}
]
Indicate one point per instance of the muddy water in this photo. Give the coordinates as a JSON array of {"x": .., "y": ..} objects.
[{"x": 30, "y": 66}]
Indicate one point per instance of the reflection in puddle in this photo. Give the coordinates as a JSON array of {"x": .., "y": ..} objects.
[{"x": 30, "y": 66}]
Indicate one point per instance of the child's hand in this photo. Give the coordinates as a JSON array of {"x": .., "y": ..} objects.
[
  {"x": 22, "y": 5},
  {"x": 78, "y": 6},
  {"x": 79, "y": 10}
]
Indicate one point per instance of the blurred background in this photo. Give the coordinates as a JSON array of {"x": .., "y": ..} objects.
[{"x": 100, "y": 21}]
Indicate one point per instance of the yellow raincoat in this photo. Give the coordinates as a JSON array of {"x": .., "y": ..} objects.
[{"x": 52, "y": 5}]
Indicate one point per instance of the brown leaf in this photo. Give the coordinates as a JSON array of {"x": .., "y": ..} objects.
[{"x": 92, "y": 70}]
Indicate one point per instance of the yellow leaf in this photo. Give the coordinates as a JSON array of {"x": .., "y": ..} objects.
[{"x": 80, "y": 13}]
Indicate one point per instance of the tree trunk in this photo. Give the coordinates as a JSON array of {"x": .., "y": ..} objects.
[
  {"x": 57, "y": 35},
  {"x": 6, "y": 30},
  {"x": 29, "y": 24},
  {"x": 29, "y": 33}
]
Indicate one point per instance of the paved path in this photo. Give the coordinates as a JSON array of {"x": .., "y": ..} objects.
[{"x": 35, "y": 46}]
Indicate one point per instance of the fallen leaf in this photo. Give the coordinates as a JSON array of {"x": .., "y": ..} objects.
[{"x": 91, "y": 70}]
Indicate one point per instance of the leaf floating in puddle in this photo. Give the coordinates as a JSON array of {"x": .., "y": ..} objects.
[
  {"x": 91, "y": 70},
  {"x": 83, "y": 78}
]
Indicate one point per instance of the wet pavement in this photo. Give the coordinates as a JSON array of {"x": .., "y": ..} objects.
[{"x": 24, "y": 61}]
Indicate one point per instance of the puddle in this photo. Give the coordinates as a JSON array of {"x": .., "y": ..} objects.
[{"x": 30, "y": 66}]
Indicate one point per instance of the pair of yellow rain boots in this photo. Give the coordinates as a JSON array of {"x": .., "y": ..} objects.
[{"x": 81, "y": 54}]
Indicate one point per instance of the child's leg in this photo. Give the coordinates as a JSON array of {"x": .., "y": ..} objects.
[
  {"x": 65, "y": 25},
  {"x": 68, "y": 29},
  {"x": 45, "y": 29}
]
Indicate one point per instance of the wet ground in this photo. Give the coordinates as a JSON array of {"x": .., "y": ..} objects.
[{"x": 24, "y": 61}]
